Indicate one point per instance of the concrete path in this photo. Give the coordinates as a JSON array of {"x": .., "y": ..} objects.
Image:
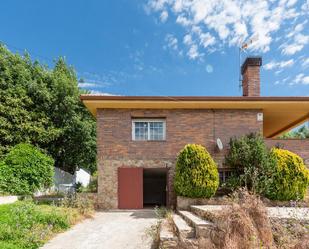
[
  {"x": 8, "y": 199},
  {"x": 109, "y": 230}
]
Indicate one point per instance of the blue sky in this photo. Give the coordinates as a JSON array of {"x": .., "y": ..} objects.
[{"x": 165, "y": 47}]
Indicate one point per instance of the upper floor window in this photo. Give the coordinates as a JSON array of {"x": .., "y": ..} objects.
[{"x": 148, "y": 129}]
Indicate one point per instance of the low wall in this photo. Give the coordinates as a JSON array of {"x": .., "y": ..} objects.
[
  {"x": 298, "y": 146},
  {"x": 184, "y": 203},
  {"x": 8, "y": 199}
]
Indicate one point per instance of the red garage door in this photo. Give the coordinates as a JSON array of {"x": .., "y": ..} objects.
[{"x": 130, "y": 188}]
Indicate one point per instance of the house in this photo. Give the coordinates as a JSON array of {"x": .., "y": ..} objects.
[
  {"x": 139, "y": 137},
  {"x": 65, "y": 182}
]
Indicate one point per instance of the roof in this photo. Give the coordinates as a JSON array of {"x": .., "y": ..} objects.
[{"x": 280, "y": 113}]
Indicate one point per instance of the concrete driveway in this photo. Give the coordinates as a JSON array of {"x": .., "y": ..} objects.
[{"x": 109, "y": 230}]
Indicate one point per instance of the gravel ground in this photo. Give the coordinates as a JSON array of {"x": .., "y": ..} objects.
[
  {"x": 288, "y": 213},
  {"x": 108, "y": 230}
]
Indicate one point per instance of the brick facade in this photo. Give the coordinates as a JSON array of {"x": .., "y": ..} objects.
[
  {"x": 116, "y": 148},
  {"x": 250, "y": 71}
]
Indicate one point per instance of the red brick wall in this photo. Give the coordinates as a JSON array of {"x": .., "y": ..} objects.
[
  {"x": 251, "y": 81},
  {"x": 116, "y": 148},
  {"x": 298, "y": 146},
  {"x": 182, "y": 127}
]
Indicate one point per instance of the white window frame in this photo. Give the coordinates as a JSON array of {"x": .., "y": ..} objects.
[{"x": 148, "y": 132}]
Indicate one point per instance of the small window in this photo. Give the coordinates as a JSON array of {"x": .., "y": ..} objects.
[
  {"x": 225, "y": 174},
  {"x": 148, "y": 129}
]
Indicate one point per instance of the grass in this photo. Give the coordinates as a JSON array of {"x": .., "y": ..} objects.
[{"x": 25, "y": 225}]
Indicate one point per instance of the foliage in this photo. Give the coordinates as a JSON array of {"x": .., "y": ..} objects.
[
  {"x": 25, "y": 169},
  {"x": 301, "y": 133},
  {"x": 24, "y": 225},
  {"x": 91, "y": 188},
  {"x": 93, "y": 185},
  {"x": 290, "y": 177},
  {"x": 162, "y": 212},
  {"x": 83, "y": 204},
  {"x": 252, "y": 161},
  {"x": 79, "y": 187},
  {"x": 277, "y": 174},
  {"x": 41, "y": 106},
  {"x": 196, "y": 172}
]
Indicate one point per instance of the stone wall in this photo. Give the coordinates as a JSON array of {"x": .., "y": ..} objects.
[
  {"x": 108, "y": 179},
  {"x": 117, "y": 149}
]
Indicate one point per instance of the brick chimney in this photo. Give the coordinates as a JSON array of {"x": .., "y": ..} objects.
[{"x": 250, "y": 71}]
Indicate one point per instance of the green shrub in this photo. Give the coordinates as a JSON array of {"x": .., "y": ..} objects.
[
  {"x": 251, "y": 160},
  {"x": 93, "y": 185},
  {"x": 24, "y": 170},
  {"x": 83, "y": 204},
  {"x": 25, "y": 225},
  {"x": 290, "y": 177},
  {"x": 196, "y": 173}
]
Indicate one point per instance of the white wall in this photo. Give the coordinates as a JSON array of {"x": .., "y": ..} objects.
[
  {"x": 83, "y": 177},
  {"x": 62, "y": 177}
]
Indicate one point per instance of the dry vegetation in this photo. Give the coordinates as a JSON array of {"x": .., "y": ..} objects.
[{"x": 246, "y": 225}]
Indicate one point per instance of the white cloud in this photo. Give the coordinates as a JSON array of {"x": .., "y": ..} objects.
[
  {"x": 231, "y": 22},
  {"x": 193, "y": 52},
  {"x": 301, "y": 79},
  {"x": 305, "y": 62},
  {"x": 103, "y": 93},
  {"x": 279, "y": 64},
  {"x": 183, "y": 21},
  {"x": 305, "y": 7},
  {"x": 87, "y": 84},
  {"x": 187, "y": 39},
  {"x": 206, "y": 39},
  {"x": 291, "y": 3},
  {"x": 292, "y": 49},
  {"x": 296, "y": 45},
  {"x": 172, "y": 41},
  {"x": 298, "y": 28},
  {"x": 164, "y": 16}
]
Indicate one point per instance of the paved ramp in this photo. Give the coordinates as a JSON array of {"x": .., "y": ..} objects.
[{"x": 108, "y": 230}]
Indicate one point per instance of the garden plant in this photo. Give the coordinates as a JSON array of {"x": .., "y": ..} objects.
[{"x": 196, "y": 172}]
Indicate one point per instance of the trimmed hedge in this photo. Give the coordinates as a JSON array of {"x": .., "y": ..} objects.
[
  {"x": 196, "y": 173},
  {"x": 24, "y": 170},
  {"x": 290, "y": 177}
]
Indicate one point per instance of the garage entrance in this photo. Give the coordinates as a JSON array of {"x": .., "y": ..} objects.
[
  {"x": 154, "y": 187},
  {"x": 130, "y": 188}
]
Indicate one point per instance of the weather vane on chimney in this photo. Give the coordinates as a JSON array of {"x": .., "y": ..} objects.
[{"x": 243, "y": 47}]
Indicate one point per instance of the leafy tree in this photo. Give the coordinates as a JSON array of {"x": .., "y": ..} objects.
[
  {"x": 25, "y": 169},
  {"x": 301, "y": 133},
  {"x": 41, "y": 106},
  {"x": 251, "y": 161}
]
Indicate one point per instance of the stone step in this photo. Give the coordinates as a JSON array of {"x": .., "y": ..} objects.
[
  {"x": 182, "y": 228},
  {"x": 202, "y": 227},
  {"x": 167, "y": 237},
  {"x": 208, "y": 212}
]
